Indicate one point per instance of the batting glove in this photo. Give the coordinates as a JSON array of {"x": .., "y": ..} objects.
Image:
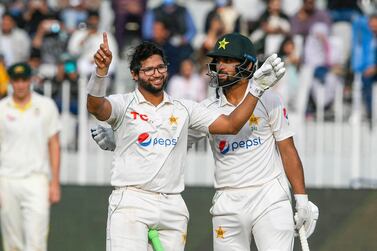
[
  {"x": 104, "y": 137},
  {"x": 267, "y": 75},
  {"x": 306, "y": 214}
]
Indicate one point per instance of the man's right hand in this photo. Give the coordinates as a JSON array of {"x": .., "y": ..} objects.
[
  {"x": 267, "y": 75},
  {"x": 103, "y": 57}
]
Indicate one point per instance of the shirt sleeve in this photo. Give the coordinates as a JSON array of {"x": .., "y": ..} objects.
[
  {"x": 202, "y": 117},
  {"x": 279, "y": 120},
  {"x": 53, "y": 121},
  {"x": 117, "y": 102}
]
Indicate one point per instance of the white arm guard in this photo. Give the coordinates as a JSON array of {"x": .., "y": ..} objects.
[{"x": 97, "y": 85}]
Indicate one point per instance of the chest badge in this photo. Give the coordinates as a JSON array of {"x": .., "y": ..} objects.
[
  {"x": 173, "y": 121},
  {"x": 254, "y": 122}
]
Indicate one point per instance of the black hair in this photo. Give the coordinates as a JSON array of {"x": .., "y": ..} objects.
[
  {"x": 144, "y": 51},
  {"x": 287, "y": 39},
  {"x": 9, "y": 14},
  {"x": 93, "y": 13}
]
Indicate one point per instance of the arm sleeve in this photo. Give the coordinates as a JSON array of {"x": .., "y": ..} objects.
[
  {"x": 279, "y": 122},
  {"x": 53, "y": 121},
  {"x": 117, "y": 109},
  {"x": 202, "y": 117}
]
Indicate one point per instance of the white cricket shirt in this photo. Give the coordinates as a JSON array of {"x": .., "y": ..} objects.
[
  {"x": 24, "y": 136},
  {"x": 152, "y": 140},
  {"x": 250, "y": 158}
]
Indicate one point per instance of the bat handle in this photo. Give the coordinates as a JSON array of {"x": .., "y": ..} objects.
[
  {"x": 155, "y": 240},
  {"x": 303, "y": 240}
]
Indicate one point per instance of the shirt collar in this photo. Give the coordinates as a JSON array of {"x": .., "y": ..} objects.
[
  {"x": 24, "y": 108},
  {"x": 141, "y": 99},
  {"x": 223, "y": 101}
]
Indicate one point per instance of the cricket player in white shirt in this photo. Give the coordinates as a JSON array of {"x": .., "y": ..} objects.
[
  {"x": 253, "y": 196},
  {"x": 29, "y": 163},
  {"x": 150, "y": 134}
]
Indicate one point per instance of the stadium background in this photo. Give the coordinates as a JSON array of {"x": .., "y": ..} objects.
[{"x": 347, "y": 216}]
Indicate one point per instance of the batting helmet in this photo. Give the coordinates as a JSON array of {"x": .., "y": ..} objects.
[{"x": 237, "y": 46}]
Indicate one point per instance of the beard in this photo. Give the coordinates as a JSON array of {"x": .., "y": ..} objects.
[
  {"x": 150, "y": 88},
  {"x": 228, "y": 80}
]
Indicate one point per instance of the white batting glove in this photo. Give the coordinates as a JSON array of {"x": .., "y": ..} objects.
[
  {"x": 306, "y": 214},
  {"x": 267, "y": 75},
  {"x": 104, "y": 137}
]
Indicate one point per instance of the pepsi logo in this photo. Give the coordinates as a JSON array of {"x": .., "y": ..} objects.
[
  {"x": 224, "y": 146},
  {"x": 144, "y": 139}
]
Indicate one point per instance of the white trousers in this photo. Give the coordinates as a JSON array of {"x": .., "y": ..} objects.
[
  {"x": 24, "y": 213},
  {"x": 133, "y": 211},
  {"x": 264, "y": 212}
]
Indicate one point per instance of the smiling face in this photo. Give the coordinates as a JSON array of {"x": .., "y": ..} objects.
[{"x": 152, "y": 76}]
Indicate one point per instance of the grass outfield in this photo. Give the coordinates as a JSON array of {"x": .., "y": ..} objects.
[{"x": 348, "y": 220}]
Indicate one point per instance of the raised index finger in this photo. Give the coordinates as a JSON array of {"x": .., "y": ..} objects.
[{"x": 105, "y": 41}]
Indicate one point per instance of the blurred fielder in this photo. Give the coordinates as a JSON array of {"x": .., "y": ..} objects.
[
  {"x": 150, "y": 132},
  {"x": 29, "y": 147},
  {"x": 253, "y": 196}
]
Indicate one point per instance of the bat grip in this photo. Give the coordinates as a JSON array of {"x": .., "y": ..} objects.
[
  {"x": 155, "y": 240},
  {"x": 303, "y": 240}
]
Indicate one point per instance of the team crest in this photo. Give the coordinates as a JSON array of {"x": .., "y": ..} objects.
[
  {"x": 254, "y": 122},
  {"x": 223, "y": 43},
  {"x": 173, "y": 121},
  {"x": 220, "y": 232}
]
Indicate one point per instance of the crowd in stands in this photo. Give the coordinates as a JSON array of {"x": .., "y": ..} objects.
[{"x": 59, "y": 38}]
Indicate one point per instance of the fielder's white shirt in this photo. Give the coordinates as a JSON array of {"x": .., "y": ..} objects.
[
  {"x": 24, "y": 136},
  {"x": 152, "y": 140},
  {"x": 250, "y": 158}
]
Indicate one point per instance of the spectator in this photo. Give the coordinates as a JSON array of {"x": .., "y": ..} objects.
[
  {"x": 188, "y": 84},
  {"x": 178, "y": 20},
  {"x": 66, "y": 71},
  {"x": 289, "y": 84},
  {"x": 308, "y": 15},
  {"x": 4, "y": 79},
  {"x": 73, "y": 15},
  {"x": 322, "y": 52},
  {"x": 83, "y": 44},
  {"x": 35, "y": 12},
  {"x": 229, "y": 16},
  {"x": 174, "y": 54},
  {"x": 127, "y": 11},
  {"x": 343, "y": 10},
  {"x": 215, "y": 30},
  {"x": 51, "y": 40},
  {"x": 14, "y": 42},
  {"x": 275, "y": 26},
  {"x": 369, "y": 76}
]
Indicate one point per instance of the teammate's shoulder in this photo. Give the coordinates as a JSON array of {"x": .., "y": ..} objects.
[
  {"x": 271, "y": 96},
  {"x": 209, "y": 101},
  {"x": 36, "y": 97},
  {"x": 271, "y": 99}
]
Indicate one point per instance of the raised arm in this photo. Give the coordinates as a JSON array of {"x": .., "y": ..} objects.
[
  {"x": 265, "y": 77},
  {"x": 96, "y": 103}
]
